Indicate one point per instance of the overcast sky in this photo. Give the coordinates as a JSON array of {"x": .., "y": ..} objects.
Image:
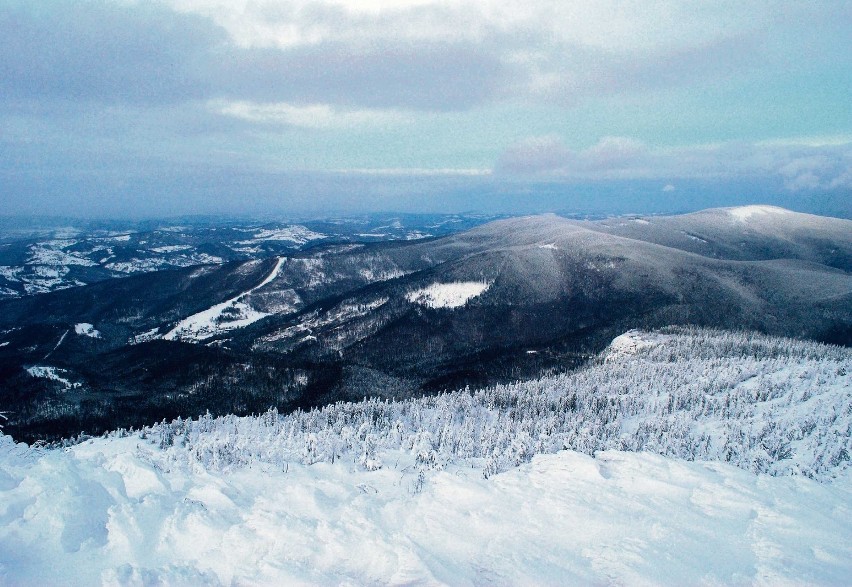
[{"x": 123, "y": 108}]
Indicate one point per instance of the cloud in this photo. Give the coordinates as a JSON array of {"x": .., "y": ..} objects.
[
  {"x": 423, "y": 76},
  {"x": 669, "y": 188},
  {"x": 536, "y": 155},
  {"x": 87, "y": 51},
  {"x": 316, "y": 116},
  {"x": 801, "y": 166},
  {"x": 433, "y": 56}
]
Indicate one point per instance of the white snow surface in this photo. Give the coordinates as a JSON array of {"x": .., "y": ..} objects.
[
  {"x": 296, "y": 233},
  {"x": 224, "y": 316},
  {"x": 744, "y": 213},
  {"x": 171, "y": 248},
  {"x": 113, "y": 512},
  {"x": 411, "y": 493},
  {"x": 447, "y": 295},
  {"x": 52, "y": 373},
  {"x": 86, "y": 329},
  {"x": 630, "y": 343}
]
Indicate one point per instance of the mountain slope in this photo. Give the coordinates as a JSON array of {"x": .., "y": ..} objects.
[{"x": 502, "y": 301}]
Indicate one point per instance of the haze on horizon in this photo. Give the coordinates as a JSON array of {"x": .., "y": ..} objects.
[{"x": 119, "y": 108}]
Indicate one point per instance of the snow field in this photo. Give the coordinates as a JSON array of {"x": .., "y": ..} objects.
[
  {"x": 86, "y": 329},
  {"x": 447, "y": 295},
  {"x": 114, "y": 512},
  {"x": 52, "y": 373},
  {"x": 744, "y": 213}
]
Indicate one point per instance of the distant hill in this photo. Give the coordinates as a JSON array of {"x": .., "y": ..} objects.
[{"x": 506, "y": 300}]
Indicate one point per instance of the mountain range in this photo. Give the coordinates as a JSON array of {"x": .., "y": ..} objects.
[{"x": 506, "y": 300}]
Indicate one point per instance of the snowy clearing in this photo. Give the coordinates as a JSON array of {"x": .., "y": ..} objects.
[
  {"x": 52, "y": 373},
  {"x": 296, "y": 234},
  {"x": 86, "y": 329},
  {"x": 224, "y": 316},
  {"x": 170, "y": 248},
  {"x": 447, "y": 295},
  {"x": 744, "y": 213}
]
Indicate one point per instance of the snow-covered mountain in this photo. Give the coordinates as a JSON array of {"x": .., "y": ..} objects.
[
  {"x": 506, "y": 300},
  {"x": 692, "y": 457},
  {"x": 49, "y": 259}
]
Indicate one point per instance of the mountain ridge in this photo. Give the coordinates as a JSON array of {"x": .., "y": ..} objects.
[{"x": 504, "y": 300}]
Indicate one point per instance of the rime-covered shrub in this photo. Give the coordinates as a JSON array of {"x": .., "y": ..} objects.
[{"x": 769, "y": 405}]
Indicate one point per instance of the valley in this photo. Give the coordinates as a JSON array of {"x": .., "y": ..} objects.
[{"x": 507, "y": 300}]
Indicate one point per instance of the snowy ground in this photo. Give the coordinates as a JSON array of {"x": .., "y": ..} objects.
[
  {"x": 111, "y": 512},
  {"x": 447, "y": 295},
  {"x": 411, "y": 493}
]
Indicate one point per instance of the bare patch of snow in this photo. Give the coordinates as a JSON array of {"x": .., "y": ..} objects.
[
  {"x": 86, "y": 329},
  {"x": 296, "y": 234},
  {"x": 551, "y": 246},
  {"x": 744, "y": 213},
  {"x": 171, "y": 248},
  {"x": 136, "y": 265},
  {"x": 145, "y": 336},
  {"x": 631, "y": 342},
  {"x": 447, "y": 295},
  {"x": 10, "y": 273},
  {"x": 53, "y": 374},
  {"x": 51, "y": 253},
  {"x": 416, "y": 235}
]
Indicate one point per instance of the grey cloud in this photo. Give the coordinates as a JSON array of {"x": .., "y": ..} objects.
[
  {"x": 536, "y": 155},
  {"x": 427, "y": 76},
  {"x": 145, "y": 53},
  {"x": 86, "y": 51},
  {"x": 799, "y": 167},
  {"x": 571, "y": 73}
]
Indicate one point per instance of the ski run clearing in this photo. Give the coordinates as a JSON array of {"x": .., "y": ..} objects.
[
  {"x": 224, "y": 316},
  {"x": 679, "y": 457}
]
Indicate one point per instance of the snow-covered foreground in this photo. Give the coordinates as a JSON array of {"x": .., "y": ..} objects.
[
  {"x": 113, "y": 512},
  {"x": 472, "y": 487}
]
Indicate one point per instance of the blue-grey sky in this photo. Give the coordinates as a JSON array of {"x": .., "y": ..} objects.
[{"x": 125, "y": 108}]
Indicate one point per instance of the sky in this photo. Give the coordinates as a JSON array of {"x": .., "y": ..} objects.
[{"x": 118, "y": 108}]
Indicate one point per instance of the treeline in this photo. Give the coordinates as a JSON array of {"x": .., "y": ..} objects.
[{"x": 769, "y": 405}]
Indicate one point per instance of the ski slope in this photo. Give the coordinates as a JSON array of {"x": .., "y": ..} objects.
[{"x": 224, "y": 316}]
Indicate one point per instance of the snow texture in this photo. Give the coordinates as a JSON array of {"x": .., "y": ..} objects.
[
  {"x": 113, "y": 512},
  {"x": 447, "y": 295},
  {"x": 296, "y": 234},
  {"x": 744, "y": 213}
]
